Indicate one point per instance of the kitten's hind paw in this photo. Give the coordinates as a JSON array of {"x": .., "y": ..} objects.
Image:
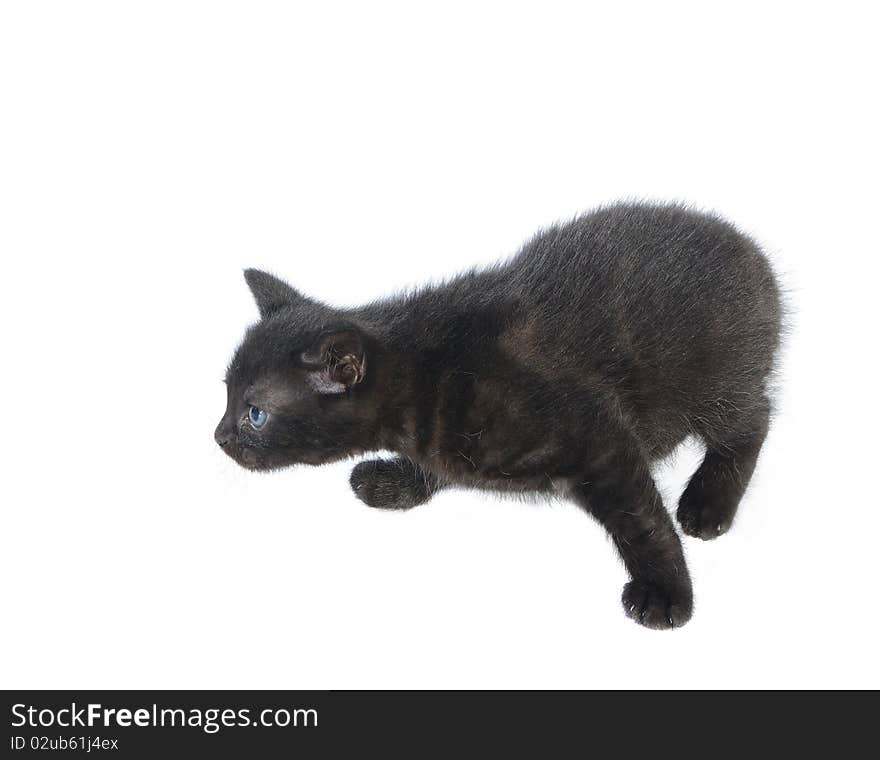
[
  {"x": 391, "y": 484},
  {"x": 704, "y": 515},
  {"x": 654, "y": 607}
]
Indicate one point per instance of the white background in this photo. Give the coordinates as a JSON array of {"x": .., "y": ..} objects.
[{"x": 150, "y": 151}]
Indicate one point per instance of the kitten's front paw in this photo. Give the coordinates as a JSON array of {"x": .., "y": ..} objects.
[
  {"x": 389, "y": 484},
  {"x": 703, "y": 513},
  {"x": 654, "y": 607}
]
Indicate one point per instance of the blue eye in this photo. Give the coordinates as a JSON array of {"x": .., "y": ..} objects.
[{"x": 257, "y": 417}]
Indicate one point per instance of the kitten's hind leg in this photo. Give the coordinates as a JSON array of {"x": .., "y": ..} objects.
[
  {"x": 619, "y": 491},
  {"x": 397, "y": 483},
  {"x": 708, "y": 505}
]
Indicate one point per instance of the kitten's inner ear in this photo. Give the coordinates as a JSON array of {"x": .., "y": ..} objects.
[
  {"x": 269, "y": 292},
  {"x": 339, "y": 358}
]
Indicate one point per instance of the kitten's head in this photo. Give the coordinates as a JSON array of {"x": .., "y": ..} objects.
[{"x": 297, "y": 387}]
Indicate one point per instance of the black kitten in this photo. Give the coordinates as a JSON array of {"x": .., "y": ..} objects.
[{"x": 568, "y": 369}]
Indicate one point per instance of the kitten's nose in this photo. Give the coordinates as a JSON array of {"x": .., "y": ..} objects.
[{"x": 222, "y": 435}]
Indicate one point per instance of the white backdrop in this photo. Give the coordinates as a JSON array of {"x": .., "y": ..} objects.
[{"x": 149, "y": 152}]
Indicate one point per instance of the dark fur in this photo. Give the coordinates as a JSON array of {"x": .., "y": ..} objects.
[{"x": 568, "y": 369}]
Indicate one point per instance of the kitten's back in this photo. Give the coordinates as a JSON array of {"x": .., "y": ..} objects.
[{"x": 677, "y": 311}]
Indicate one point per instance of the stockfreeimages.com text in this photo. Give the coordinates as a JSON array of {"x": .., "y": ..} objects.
[{"x": 209, "y": 720}]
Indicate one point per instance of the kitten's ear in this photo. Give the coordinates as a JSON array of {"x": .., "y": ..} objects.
[
  {"x": 270, "y": 293},
  {"x": 338, "y": 360}
]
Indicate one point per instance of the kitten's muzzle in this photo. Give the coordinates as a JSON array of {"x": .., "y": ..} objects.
[{"x": 223, "y": 435}]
